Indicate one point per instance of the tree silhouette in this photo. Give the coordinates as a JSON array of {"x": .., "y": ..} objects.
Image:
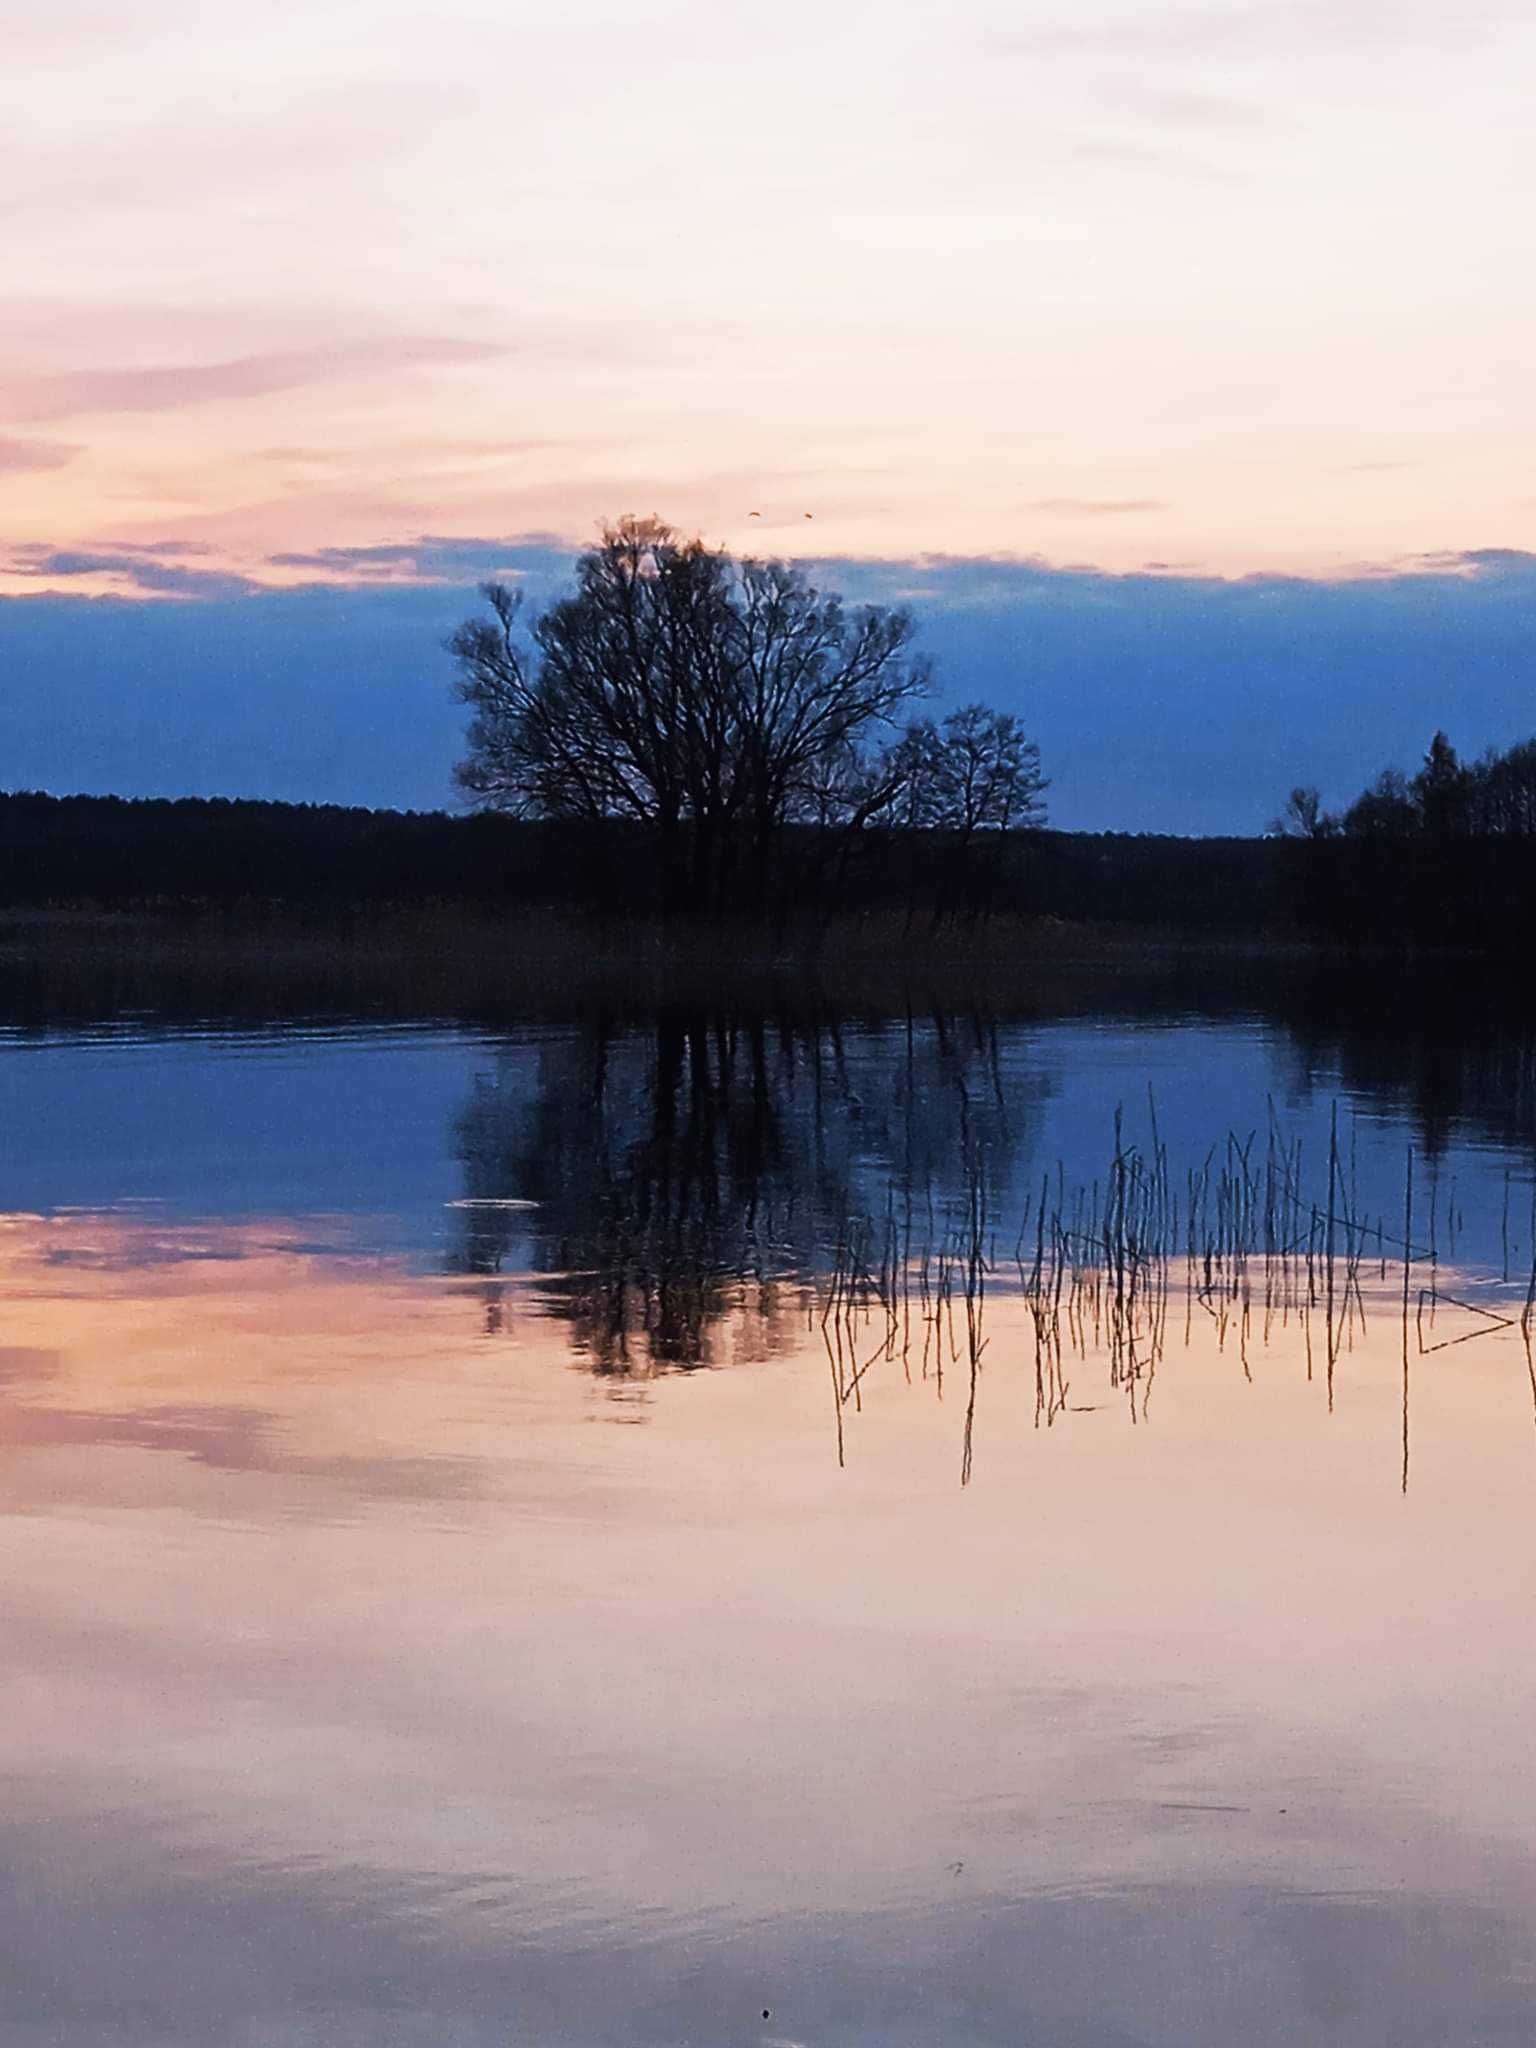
[
  {"x": 968, "y": 782},
  {"x": 1440, "y": 790},
  {"x": 977, "y": 772},
  {"x": 1387, "y": 810},
  {"x": 1304, "y": 817},
  {"x": 709, "y": 700}
]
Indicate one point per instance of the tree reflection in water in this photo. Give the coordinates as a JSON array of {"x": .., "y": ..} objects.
[
  {"x": 710, "y": 1185},
  {"x": 711, "y": 1166}
]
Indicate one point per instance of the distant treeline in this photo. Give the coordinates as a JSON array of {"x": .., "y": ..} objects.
[
  {"x": 1416, "y": 885},
  {"x": 1444, "y": 858},
  {"x": 121, "y": 853}
]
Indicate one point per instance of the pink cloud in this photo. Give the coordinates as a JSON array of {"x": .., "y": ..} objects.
[
  {"x": 19, "y": 456},
  {"x": 169, "y": 387}
]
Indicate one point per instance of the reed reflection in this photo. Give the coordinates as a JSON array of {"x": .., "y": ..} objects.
[
  {"x": 731, "y": 1186},
  {"x": 1257, "y": 1260},
  {"x": 713, "y": 1170}
]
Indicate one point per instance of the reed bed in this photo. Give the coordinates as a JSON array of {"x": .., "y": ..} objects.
[{"x": 1240, "y": 1240}]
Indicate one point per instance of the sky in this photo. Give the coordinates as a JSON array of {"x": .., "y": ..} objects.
[{"x": 1175, "y": 360}]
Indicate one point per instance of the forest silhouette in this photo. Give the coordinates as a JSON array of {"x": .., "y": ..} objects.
[{"x": 688, "y": 738}]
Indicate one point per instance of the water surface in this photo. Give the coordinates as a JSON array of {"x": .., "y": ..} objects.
[{"x": 460, "y": 1589}]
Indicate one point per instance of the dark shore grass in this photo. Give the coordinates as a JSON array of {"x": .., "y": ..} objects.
[{"x": 458, "y": 961}]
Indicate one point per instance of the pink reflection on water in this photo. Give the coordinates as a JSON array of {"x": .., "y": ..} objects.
[{"x": 352, "y": 1669}]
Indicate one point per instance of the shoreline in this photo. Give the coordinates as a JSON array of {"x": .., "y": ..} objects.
[{"x": 450, "y": 960}]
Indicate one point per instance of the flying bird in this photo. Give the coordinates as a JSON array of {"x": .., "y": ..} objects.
[{"x": 754, "y": 515}]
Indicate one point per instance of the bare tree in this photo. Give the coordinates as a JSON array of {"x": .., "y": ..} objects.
[
  {"x": 1502, "y": 792},
  {"x": 1304, "y": 817},
  {"x": 818, "y": 688},
  {"x": 970, "y": 781},
  {"x": 1387, "y": 810},
  {"x": 1491, "y": 798},
  {"x": 710, "y": 700},
  {"x": 977, "y": 772},
  {"x": 984, "y": 775}
]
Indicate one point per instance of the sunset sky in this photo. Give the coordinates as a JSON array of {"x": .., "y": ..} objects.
[{"x": 1087, "y": 293}]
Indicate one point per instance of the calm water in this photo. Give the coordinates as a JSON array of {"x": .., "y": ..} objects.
[{"x": 591, "y": 1533}]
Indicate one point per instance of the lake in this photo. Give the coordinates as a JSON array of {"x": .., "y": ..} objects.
[{"x": 957, "y": 1524}]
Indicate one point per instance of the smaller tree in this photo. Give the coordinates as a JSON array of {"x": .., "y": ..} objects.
[
  {"x": 1386, "y": 810},
  {"x": 968, "y": 783},
  {"x": 1441, "y": 789},
  {"x": 977, "y": 772},
  {"x": 1304, "y": 817}
]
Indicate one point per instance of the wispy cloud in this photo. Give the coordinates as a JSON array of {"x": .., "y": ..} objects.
[
  {"x": 1509, "y": 563},
  {"x": 16, "y": 456},
  {"x": 169, "y": 387},
  {"x": 137, "y": 157},
  {"x": 143, "y": 569},
  {"x": 1509, "y": 568},
  {"x": 1128, "y": 153},
  {"x": 430, "y": 558},
  {"x": 1212, "y": 113},
  {"x": 173, "y": 548},
  {"x": 1206, "y": 31},
  {"x": 1096, "y": 508},
  {"x": 211, "y": 210}
]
